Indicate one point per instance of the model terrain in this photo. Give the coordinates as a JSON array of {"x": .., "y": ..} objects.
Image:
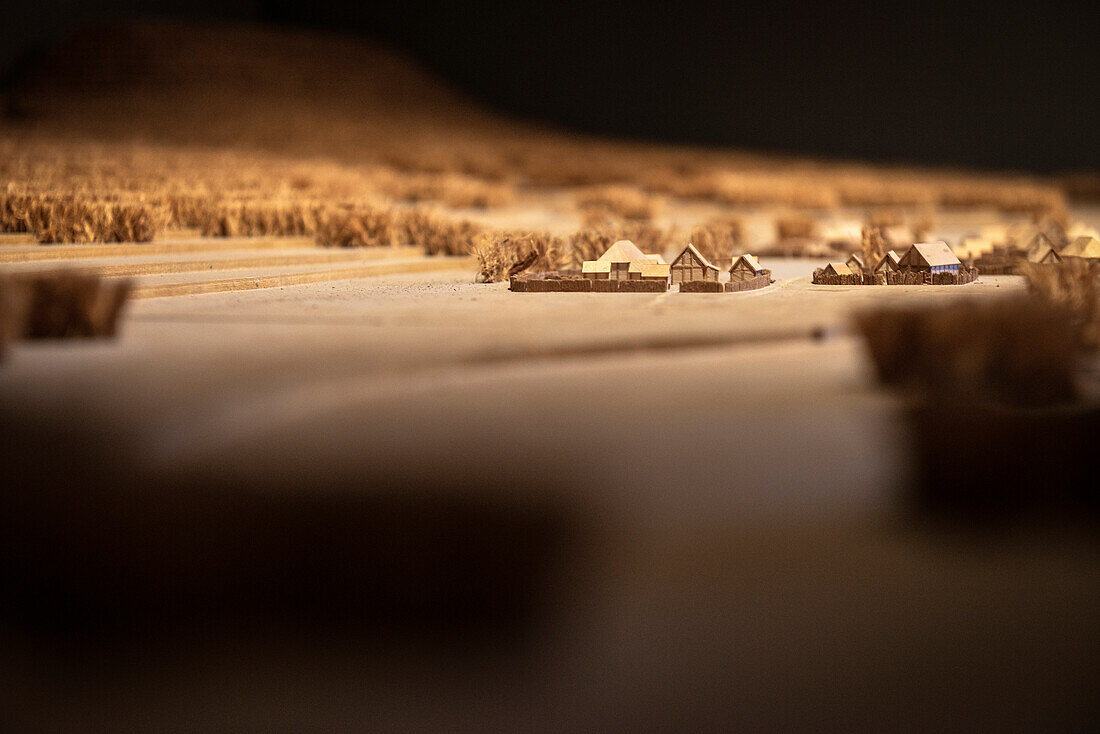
[{"x": 615, "y": 417}]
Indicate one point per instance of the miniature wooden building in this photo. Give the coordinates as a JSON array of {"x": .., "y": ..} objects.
[
  {"x": 888, "y": 263},
  {"x": 596, "y": 269},
  {"x": 690, "y": 266},
  {"x": 744, "y": 268},
  {"x": 615, "y": 263},
  {"x": 1049, "y": 256},
  {"x": 1084, "y": 247},
  {"x": 1039, "y": 243},
  {"x": 855, "y": 263},
  {"x": 653, "y": 267},
  {"x": 838, "y": 269},
  {"x": 932, "y": 257}
]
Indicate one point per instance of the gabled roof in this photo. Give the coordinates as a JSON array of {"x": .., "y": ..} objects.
[
  {"x": 623, "y": 251},
  {"x": 933, "y": 254},
  {"x": 596, "y": 266},
  {"x": 698, "y": 255},
  {"x": 857, "y": 257},
  {"x": 748, "y": 260},
  {"x": 1083, "y": 246},
  {"x": 1041, "y": 255},
  {"x": 1040, "y": 241},
  {"x": 891, "y": 257},
  {"x": 840, "y": 268}
]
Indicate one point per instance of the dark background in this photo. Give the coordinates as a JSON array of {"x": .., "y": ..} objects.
[{"x": 1004, "y": 86}]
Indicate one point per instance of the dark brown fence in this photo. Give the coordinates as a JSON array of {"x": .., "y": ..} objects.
[
  {"x": 701, "y": 286},
  {"x": 762, "y": 279},
  {"x": 569, "y": 283},
  {"x": 901, "y": 277},
  {"x": 822, "y": 278}
]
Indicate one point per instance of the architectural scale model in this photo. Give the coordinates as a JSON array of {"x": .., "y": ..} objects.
[
  {"x": 624, "y": 268},
  {"x": 932, "y": 263},
  {"x": 690, "y": 266}
]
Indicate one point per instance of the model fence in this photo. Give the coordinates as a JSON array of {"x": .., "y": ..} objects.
[{"x": 966, "y": 274}]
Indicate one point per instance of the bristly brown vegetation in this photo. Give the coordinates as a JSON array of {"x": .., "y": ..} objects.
[
  {"x": 499, "y": 253},
  {"x": 60, "y": 305},
  {"x": 796, "y": 225},
  {"x": 68, "y": 218},
  {"x": 719, "y": 238},
  {"x": 625, "y": 202},
  {"x": 502, "y": 254},
  {"x": 379, "y": 140},
  {"x": 1072, "y": 286},
  {"x": 1019, "y": 351}
]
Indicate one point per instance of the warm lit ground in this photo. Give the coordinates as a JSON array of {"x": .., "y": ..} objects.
[{"x": 737, "y": 484}]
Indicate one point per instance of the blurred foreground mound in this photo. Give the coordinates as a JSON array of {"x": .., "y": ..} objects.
[{"x": 1002, "y": 395}]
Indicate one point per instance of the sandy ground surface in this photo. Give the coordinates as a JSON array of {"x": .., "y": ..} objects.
[{"x": 746, "y": 563}]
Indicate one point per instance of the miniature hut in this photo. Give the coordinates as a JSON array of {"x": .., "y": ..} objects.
[
  {"x": 888, "y": 263},
  {"x": 596, "y": 269},
  {"x": 855, "y": 263},
  {"x": 653, "y": 267},
  {"x": 616, "y": 262},
  {"x": 930, "y": 257},
  {"x": 744, "y": 268},
  {"x": 1054, "y": 232},
  {"x": 1048, "y": 256},
  {"x": 1039, "y": 243},
  {"x": 690, "y": 266},
  {"x": 1084, "y": 247},
  {"x": 838, "y": 269}
]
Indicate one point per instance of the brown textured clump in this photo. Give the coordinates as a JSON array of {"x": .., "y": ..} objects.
[
  {"x": 61, "y": 305},
  {"x": 718, "y": 238},
  {"x": 1018, "y": 351},
  {"x": 1072, "y": 286},
  {"x": 625, "y": 202},
  {"x": 796, "y": 225}
]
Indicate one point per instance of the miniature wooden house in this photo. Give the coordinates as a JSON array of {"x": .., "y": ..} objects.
[
  {"x": 1048, "y": 256},
  {"x": 1084, "y": 247},
  {"x": 596, "y": 269},
  {"x": 855, "y": 263},
  {"x": 690, "y": 266},
  {"x": 1039, "y": 244},
  {"x": 888, "y": 263},
  {"x": 930, "y": 257},
  {"x": 744, "y": 268},
  {"x": 838, "y": 269},
  {"x": 616, "y": 262},
  {"x": 653, "y": 267}
]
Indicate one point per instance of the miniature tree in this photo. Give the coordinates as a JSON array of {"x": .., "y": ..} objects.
[{"x": 872, "y": 246}]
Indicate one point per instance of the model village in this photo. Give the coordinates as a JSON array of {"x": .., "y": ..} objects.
[{"x": 624, "y": 268}]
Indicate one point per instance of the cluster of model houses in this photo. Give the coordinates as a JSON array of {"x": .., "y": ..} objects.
[
  {"x": 927, "y": 257},
  {"x": 1045, "y": 243},
  {"x": 624, "y": 261}
]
